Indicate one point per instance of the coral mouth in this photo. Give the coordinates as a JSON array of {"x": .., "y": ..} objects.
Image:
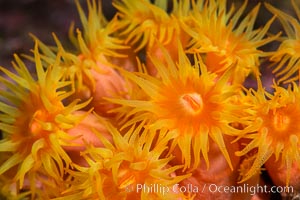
[
  {"x": 281, "y": 122},
  {"x": 192, "y": 103}
]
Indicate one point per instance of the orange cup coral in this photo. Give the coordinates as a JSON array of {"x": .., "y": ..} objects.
[
  {"x": 129, "y": 167},
  {"x": 226, "y": 41},
  {"x": 197, "y": 107},
  {"x": 144, "y": 98},
  {"x": 275, "y": 129},
  {"x": 34, "y": 122}
]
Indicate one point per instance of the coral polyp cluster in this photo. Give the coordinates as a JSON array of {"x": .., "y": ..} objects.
[{"x": 154, "y": 104}]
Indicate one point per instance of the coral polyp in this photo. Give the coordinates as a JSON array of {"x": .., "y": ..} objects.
[
  {"x": 125, "y": 167},
  {"x": 287, "y": 57},
  {"x": 91, "y": 65},
  {"x": 276, "y": 130},
  {"x": 189, "y": 100},
  {"x": 142, "y": 22},
  {"x": 34, "y": 120},
  {"x": 224, "y": 41}
]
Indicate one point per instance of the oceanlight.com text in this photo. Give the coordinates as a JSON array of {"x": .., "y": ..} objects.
[{"x": 246, "y": 188}]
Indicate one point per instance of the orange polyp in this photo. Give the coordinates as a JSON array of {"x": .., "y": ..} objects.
[
  {"x": 281, "y": 121},
  {"x": 192, "y": 102}
]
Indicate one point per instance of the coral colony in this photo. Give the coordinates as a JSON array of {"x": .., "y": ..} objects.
[{"x": 153, "y": 104}]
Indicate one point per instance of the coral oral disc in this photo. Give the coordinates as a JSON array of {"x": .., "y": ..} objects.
[
  {"x": 281, "y": 122},
  {"x": 192, "y": 102}
]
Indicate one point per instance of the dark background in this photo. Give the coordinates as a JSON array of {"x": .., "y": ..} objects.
[{"x": 40, "y": 17}]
